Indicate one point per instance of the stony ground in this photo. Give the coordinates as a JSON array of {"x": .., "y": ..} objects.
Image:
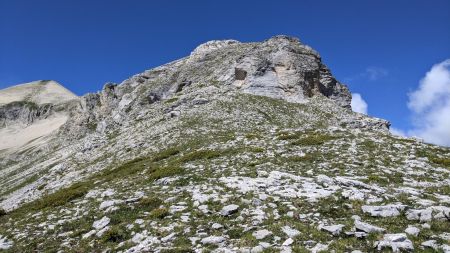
[
  {"x": 213, "y": 169},
  {"x": 278, "y": 189}
]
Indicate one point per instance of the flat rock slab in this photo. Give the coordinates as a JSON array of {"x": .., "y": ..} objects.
[
  {"x": 396, "y": 242},
  {"x": 229, "y": 210}
]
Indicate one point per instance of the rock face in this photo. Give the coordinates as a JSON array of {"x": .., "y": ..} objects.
[{"x": 238, "y": 147}]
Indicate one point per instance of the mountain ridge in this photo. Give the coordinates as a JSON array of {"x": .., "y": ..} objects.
[{"x": 238, "y": 147}]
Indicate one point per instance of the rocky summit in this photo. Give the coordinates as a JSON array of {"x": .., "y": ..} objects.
[{"x": 238, "y": 147}]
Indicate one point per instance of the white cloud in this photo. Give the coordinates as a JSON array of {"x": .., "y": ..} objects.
[
  {"x": 369, "y": 74},
  {"x": 358, "y": 104},
  {"x": 375, "y": 73},
  {"x": 430, "y": 105},
  {"x": 397, "y": 131}
]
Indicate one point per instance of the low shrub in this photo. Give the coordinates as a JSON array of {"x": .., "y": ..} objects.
[
  {"x": 115, "y": 234},
  {"x": 150, "y": 203},
  {"x": 159, "y": 213}
]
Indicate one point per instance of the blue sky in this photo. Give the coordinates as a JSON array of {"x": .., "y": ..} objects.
[{"x": 381, "y": 49}]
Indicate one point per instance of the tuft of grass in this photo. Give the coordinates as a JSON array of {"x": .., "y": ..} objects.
[
  {"x": 165, "y": 172},
  {"x": 308, "y": 158},
  {"x": 60, "y": 197},
  {"x": 115, "y": 234},
  {"x": 200, "y": 155},
  {"x": 165, "y": 154},
  {"x": 159, "y": 213},
  {"x": 2, "y": 212},
  {"x": 289, "y": 136},
  {"x": 150, "y": 203},
  {"x": 311, "y": 140},
  {"x": 171, "y": 100},
  {"x": 235, "y": 233},
  {"x": 441, "y": 161}
]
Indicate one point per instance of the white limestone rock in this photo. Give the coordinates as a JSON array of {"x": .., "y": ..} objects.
[
  {"x": 229, "y": 210},
  {"x": 213, "y": 240},
  {"x": 383, "y": 211},
  {"x": 396, "y": 242},
  {"x": 333, "y": 229},
  {"x": 368, "y": 228},
  {"x": 103, "y": 222}
]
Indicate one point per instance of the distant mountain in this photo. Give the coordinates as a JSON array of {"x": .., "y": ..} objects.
[
  {"x": 30, "y": 112},
  {"x": 38, "y": 92},
  {"x": 238, "y": 147}
]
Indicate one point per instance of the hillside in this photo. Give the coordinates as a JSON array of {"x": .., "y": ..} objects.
[{"x": 238, "y": 147}]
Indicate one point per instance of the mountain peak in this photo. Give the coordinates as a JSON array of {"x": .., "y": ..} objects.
[{"x": 38, "y": 92}]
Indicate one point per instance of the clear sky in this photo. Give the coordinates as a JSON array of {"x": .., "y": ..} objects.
[{"x": 381, "y": 49}]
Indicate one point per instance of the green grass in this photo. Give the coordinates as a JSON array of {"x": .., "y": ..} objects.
[
  {"x": 26, "y": 182},
  {"x": 165, "y": 172},
  {"x": 441, "y": 161},
  {"x": 115, "y": 234},
  {"x": 311, "y": 140},
  {"x": 166, "y": 154},
  {"x": 289, "y": 136},
  {"x": 171, "y": 100},
  {"x": 59, "y": 197},
  {"x": 200, "y": 155},
  {"x": 150, "y": 203},
  {"x": 159, "y": 213},
  {"x": 2, "y": 212}
]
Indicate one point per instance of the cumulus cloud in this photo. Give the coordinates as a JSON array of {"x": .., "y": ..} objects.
[
  {"x": 358, "y": 104},
  {"x": 430, "y": 105}
]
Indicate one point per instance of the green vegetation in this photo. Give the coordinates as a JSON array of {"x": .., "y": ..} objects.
[
  {"x": 396, "y": 178},
  {"x": 115, "y": 234},
  {"x": 441, "y": 161},
  {"x": 59, "y": 197},
  {"x": 165, "y": 154},
  {"x": 150, "y": 203},
  {"x": 200, "y": 155},
  {"x": 26, "y": 182},
  {"x": 28, "y": 104},
  {"x": 305, "y": 138},
  {"x": 159, "y": 213},
  {"x": 165, "y": 172},
  {"x": 171, "y": 100},
  {"x": 2, "y": 212},
  {"x": 311, "y": 140}
]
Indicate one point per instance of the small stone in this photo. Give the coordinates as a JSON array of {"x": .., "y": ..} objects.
[
  {"x": 368, "y": 228},
  {"x": 396, "y": 242},
  {"x": 261, "y": 234},
  {"x": 257, "y": 249},
  {"x": 102, "y": 231},
  {"x": 422, "y": 215},
  {"x": 430, "y": 244},
  {"x": 333, "y": 229},
  {"x": 212, "y": 240},
  {"x": 288, "y": 242},
  {"x": 217, "y": 226},
  {"x": 88, "y": 234},
  {"x": 103, "y": 222},
  {"x": 426, "y": 226},
  {"x": 411, "y": 230},
  {"x": 229, "y": 210},
  {"x": 319, "y": 248},
  {"x": 290, "y": 232},
  {"x": 168, "y": 238},
  {"x": 5, "y": 243},
  {"x": 383, "y": 211}
]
